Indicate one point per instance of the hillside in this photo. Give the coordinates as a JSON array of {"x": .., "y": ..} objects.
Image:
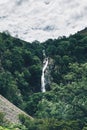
[
  {"x": 83, "y": 32},
  {"x": 11, "y": 111},
  {"x": 64, "y": 104}
]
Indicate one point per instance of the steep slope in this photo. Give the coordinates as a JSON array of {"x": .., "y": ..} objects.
[
  {"x": 83, "y": 32},
  {"x": 66, "y": 95},
  {"x": 10, "y": 110}
]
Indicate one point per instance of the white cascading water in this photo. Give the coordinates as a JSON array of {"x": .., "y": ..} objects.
[{"x": 43, "y": 80}]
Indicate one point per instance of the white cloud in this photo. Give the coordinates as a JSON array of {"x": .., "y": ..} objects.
[
  {"x": 3, "y": 1},
  {"x": 42, "y": 19}
]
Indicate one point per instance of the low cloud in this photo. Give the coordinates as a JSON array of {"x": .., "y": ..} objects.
[{"x": 42, "y": 19}]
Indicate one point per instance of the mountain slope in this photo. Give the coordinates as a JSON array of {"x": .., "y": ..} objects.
[
  {"x": 10, "y": 110},
  {"x": 65, "y": 98},
  {"x": 83, "y": 32}
]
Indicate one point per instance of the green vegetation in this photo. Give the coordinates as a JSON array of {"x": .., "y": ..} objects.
[
  {"x": 64, "y": 105},
  {"x": 5, "y": 125},
  {"x": 2, "y": 120},
  {"x": 49, "y": 124}
]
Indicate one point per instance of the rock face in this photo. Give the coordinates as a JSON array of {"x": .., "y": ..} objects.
[
  {"x": 48, "y": 76},
  {"x": 11, "y": 111}
]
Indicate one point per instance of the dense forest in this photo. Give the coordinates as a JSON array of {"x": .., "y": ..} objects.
[{"x": 64, "y": 105}]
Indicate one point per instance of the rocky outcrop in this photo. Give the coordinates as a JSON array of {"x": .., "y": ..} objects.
[
  {"x": 11, "y": 111},
  {"x": 48, "y": 76}
]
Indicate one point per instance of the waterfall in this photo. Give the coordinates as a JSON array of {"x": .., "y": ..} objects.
[{"x": 43, "y": 80}]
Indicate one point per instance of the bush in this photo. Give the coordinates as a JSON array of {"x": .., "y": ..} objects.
[
  {"x": 49, "y": 124},
  {"x": 2, "y": 118}
]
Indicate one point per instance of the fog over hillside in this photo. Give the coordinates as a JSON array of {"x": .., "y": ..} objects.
[{"x": 42, "y": 19}]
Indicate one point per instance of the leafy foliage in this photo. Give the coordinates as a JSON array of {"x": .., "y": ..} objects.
[{"x": 64, "y": 105}]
